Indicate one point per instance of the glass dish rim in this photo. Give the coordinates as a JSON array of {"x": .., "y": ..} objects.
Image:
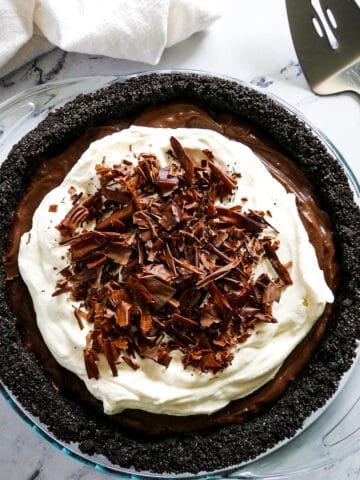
[
  {"x": 119, "y": 78},
  {"x": 122, "y": 77}
]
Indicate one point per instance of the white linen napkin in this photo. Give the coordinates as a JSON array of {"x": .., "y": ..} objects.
[{"x": 137, "y": 30}]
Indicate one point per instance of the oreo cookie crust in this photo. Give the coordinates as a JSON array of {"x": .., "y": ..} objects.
[{"x": 225, "y": 446}]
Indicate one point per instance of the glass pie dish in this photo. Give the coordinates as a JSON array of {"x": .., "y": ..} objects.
[{"x": 328, "y": 435}]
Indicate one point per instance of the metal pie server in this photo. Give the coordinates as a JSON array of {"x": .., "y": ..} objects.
[{"x": 326, "y": 36}]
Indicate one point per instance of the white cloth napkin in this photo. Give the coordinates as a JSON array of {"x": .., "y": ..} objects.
[{"x": 137, "y": 30}]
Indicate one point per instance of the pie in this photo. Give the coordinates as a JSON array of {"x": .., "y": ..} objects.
[{"x": 164, "y": 293}]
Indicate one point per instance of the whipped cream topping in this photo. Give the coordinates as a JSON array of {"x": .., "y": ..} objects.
[{"x": 175, "y": 390}]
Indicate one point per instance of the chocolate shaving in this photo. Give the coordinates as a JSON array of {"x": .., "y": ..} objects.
[
  {"x": 243, "y": 221},
  {"x": 129, "y": 362},
  {"x": 184, "y": 321},
  {"x": 224, "y": 177},
  {"x": 219, "y": 273},
  {"x": 278, "y": 266},
  {"x": 272, "y": 293},
  {"x": 123, "y": 314},
  {"x": 90, "y": 363},
  {"x": 183, "y": 159},
  {"x": 166, "y": 181},
  {"x": 164, "y": 268},
  {"x": 145, "y": 320},
  {"x": 81, "y": 211},
  {"x": 80, "y": 316},
  {"x": 111, "y": 355},
  {"x": 160, "y": 291}
]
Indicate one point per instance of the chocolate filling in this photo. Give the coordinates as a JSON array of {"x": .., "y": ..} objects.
[
  {"x": 318, "y": 228},
  {"x": 315, "y": 219}
]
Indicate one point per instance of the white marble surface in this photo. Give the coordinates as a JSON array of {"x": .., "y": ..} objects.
[{"x": 251, "y": 42}]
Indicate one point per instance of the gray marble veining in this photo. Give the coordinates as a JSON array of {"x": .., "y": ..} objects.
[{"x": 251, "y": 42}]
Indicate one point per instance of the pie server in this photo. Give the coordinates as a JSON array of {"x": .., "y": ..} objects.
[{"x": 326, "y": 36}]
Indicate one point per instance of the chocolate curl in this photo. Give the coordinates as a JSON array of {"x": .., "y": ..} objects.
[{"x": 183, "y": 159}]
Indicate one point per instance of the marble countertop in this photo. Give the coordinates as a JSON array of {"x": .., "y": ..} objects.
[{"x": 251, "y": 42}]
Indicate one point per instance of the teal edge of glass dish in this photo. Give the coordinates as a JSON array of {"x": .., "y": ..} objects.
[{"x": 127, "y": 474}]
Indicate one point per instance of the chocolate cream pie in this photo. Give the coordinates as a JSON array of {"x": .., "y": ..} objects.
[{"x": 173, "y": 272}]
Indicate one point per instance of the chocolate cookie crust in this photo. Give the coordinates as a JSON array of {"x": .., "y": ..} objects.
[{"x": 225, "y": 446}]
